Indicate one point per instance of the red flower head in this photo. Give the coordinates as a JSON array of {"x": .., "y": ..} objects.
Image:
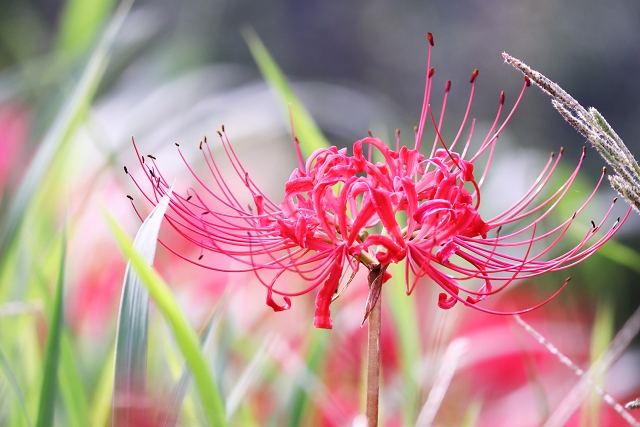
[{"x": 379, "y": 205}]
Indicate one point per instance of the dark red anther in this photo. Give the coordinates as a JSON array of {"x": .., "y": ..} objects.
[
  {"x": 615, "y": 199},
  {"x": 502, "y": 96},
  {"x": 430, "y": 39},
  {"x": 201, "y": 145},
  {"x": 177, "y": 145},
  {"x": 126, "y": 170},
  {"x": 593, "y": 224},
  {"x": 561, "y": 150},
  {"x": 219, "y": 134},
  {"x": 151, "y": 157},
  {"x": 447, "y": 86},
  {"x": 200, "y": 257},
  {"x": 189, "y": 198},
  {"x": 205, "y": 212},
  {"x": 604, "y": 170},
  {"x": 474, "y": 75},
  {"x": 527, "y": 81},
  {"x": 222, "y": 127},
  {"x": 432, "y": 72},
  {"x": 129, "y": 197},
  {"x": 370, "y": 133}
]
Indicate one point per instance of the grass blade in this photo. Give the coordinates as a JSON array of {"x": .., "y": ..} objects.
[
  {"x": 49, "y": 387},
  {"x": 405, "y": 318},
  {"x": 101, "y": 401},
  {"x": 310, "y": 135},
  {"x": 63, "y": 125},
  {"x": 131, "y": 336},
  {"x": 185, "y": 336},
  {"x": 80, "y": 21},
  {"x": 180, "y": 390},
  {"x": 71, "y": 386},
  {"x": 15, "y": 386}
]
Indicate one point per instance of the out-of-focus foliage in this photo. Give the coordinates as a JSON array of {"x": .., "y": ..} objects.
[{"x": 79, "y": 79}]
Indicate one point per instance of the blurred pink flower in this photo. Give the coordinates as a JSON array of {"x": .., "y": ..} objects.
[
  {"x": 342, "y": 210},
  {"x": 14, "y": 126}
]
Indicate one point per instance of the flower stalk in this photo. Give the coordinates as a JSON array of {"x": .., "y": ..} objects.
[{"x": 374, "y": 314}]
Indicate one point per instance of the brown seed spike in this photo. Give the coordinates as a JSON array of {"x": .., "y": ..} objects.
[
  {"x": 430, "y": 39},
  {"x": 447, "y": 86},
  {"x": 502, "y": 97},
  {"x": 432, "y": 72},
  {"x": 126, "y": 170},
  {"x": 129, "y": 197},
  {"x": 527, "y": 81},
  {"x": 474, "y": 75}
]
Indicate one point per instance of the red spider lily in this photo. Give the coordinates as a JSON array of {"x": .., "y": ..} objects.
[{"x": 341, "y": 210}]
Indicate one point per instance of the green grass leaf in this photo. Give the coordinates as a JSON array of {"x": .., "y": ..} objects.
[
  {"x": 185, "y": 336},
  {"x": 101, "y": 401},
  {"x": 79, "y": 22},
  {"x": 58, "y": 134},
  {"x": 71, "y": 385},
  {"x": 308, "y": 132},
  {"x": 49, "y": 389},
  {"x": 131, "y": 338},
  {"x": 180, "y": 390},
  {"x": 14, "y": 385},
  {"x": 405, "y": 319}
]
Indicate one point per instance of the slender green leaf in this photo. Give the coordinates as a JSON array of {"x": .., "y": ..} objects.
[
  {"x": 49, "y": 387},
  {"x": 15, "y": 387},
  {"x": 59, "y": 132},
  {"x": 311, "y": 138},
  {"x": 405, "y": 318},
  {"x": 101, "y": 402},
  {"x": 79, "y": 23},
  {"x": 185, "y": 336},
  {"x": 600, "y": 339},
  {"x": 251, "y": 372},
  {"x": 317, "y": 348},
  {"x": 71, "y": 386},
  {"x": 180, "y": 390},
  {"x": 131, "y": 338}
]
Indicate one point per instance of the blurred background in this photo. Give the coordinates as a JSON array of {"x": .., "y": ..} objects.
[{"x": 79, "y": 79}]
